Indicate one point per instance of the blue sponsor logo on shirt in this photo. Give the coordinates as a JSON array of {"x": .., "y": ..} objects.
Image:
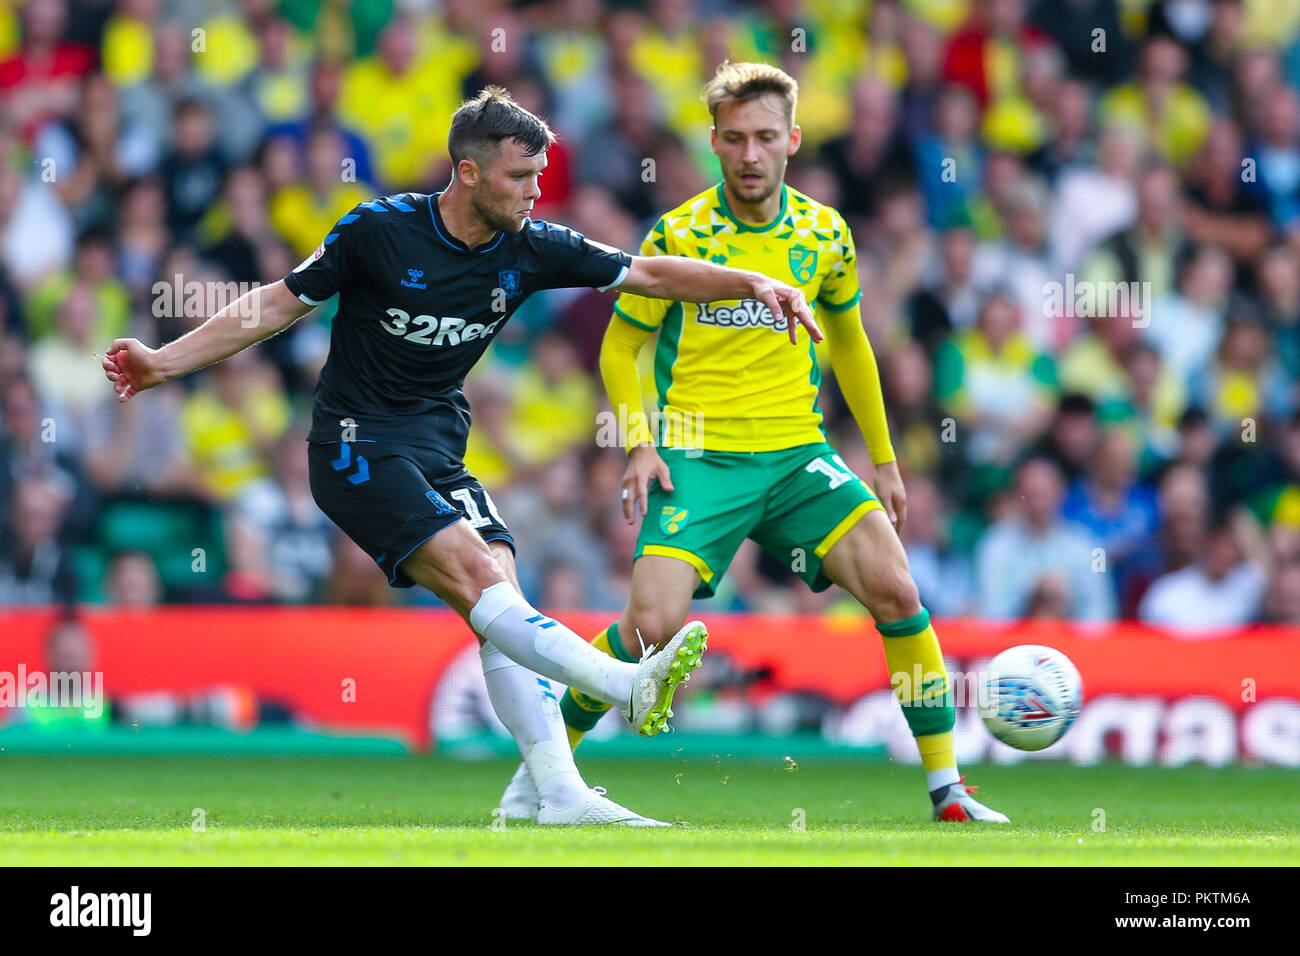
[{"x": 413, "y": 280}]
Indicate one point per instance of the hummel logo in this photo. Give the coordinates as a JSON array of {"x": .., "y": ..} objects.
[{"x": 414, "y": 281}]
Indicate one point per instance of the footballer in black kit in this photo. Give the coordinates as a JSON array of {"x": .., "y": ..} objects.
[{"x": 417, "y": 309}]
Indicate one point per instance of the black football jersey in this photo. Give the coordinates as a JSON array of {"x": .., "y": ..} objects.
[{"x": 417, "y": 308}]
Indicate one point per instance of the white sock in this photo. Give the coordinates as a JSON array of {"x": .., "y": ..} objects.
[
  {"x": 934, "y": 779},
  {"x": 529, "y": 708},
  {"x": 502, "y": 617}
]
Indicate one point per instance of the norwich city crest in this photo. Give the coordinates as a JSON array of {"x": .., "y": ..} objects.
[
  {"x": 803, "y": 263},
  {"x": 672, "y": 519}
]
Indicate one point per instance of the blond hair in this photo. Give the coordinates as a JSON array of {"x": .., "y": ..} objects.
[{"x": 742, "y": 82}]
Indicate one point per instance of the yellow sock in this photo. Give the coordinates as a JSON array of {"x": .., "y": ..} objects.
[
  {"x": 920, "y": 682},
  {"x": 580, "y": 712},
  {"x": 937, "y": 751}
]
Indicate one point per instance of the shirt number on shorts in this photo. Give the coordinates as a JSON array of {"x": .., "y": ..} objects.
[
  {"x": 476, "y": 518},
  {"x": 837, "y": 475}
]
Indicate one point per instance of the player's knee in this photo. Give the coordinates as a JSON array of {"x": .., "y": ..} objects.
[
  {"x": 655, "y": 624},
  {"x": 482, "y": 570},
  {"x": 467, "y": 573},
  {"x": 896, "y": 598}
]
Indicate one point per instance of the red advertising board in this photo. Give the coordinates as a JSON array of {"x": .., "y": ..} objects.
[{"x": 1151, "y": 697}]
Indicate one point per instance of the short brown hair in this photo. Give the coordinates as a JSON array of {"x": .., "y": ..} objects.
[
  {"x": 742, "y": 82},
  {"x": 479, "y": 126}
]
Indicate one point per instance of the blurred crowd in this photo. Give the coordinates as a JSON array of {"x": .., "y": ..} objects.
[{"x": 1091, "y": 463}]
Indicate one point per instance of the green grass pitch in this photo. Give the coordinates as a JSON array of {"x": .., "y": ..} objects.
[{"x": 260, "y": 811}]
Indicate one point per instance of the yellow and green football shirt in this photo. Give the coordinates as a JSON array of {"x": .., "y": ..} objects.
[{"x": 727, "y": 376}]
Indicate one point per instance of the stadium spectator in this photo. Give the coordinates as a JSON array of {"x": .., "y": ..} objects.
[
  {"x": 36, "y": 231},
  {"x": 1110, "y": 502},
  {"x": 951, "y": 145},
  {"x": 325, "y": 81},
  {"x": 1219, "y": 208},
  {"x": 193, "y": 170},
  {"x": 303, "y": 213},
  {"x": 983, "y": 55},
  {"x": 244, "y": 205},
  {"x": 1243, "y": 381},
  {"x": 132, "y": 580},
  {"x": 95, "y": 266},
  {"x": 1175, "y": 115},
  {"x": 1148, "y": 251},
  {"x": 1034, "y": 558},
  {"x": 1186, "y": 325},
  {"x": 1283, "y": 606},
  {"x": 548, "y": 521},
  {"x": 614, "y": 157},
  {"x": 1150, "y": 413},
  {"x": 1183, "y": 506},
  {"x": 25, "y": 451},
  {"x": 872, "y": 153},
  {"x": 35, "y": 566},
  {"x": 1072, "y": 437},
  {"x": 1018, "y": 264},
  {"x": 947, "y": 299},
  {"x": 1278, "y": 278},
  {"x": 231, "y": 423},
  {"x": 59, "y": 367},
  {"x": 277, "y": 85},
  {"x": 1278, "y": 152},
  {"x": 39, "y": 83},
  {"x": 139, "y": 451},
  {"x": 554, "y": 404},
  {"x": 1224, "y": 587},
  {"x": 91, "y": 155},
  {"x": 1095, "y": 366},
  {"x": 279, "y": 540},
  {"x": 1093, "y": 203},
  {"x": 401, "y": 98},
  {"x": 942, "y": 573},
  {"x": 996, "y": 383}
]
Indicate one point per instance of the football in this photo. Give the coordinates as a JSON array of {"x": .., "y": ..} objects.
[{"x": 1030, "y": 696}]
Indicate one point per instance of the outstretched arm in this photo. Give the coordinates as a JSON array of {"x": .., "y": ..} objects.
[
  {"x": 618, "y": 352},
  {"x": 133, "y": 367},
  {"x": 681, "y": 279},
  {"x": 858, "y": 376}
]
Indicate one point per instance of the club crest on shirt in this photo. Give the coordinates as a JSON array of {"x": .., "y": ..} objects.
[
  {"x": 803, "y": 263},
  {"x": 508, "y": 282},
  {"x": 672, "y": 519}
]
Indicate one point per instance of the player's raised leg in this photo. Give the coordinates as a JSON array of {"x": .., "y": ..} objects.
[
  {"x": 458, "y": 566},
  {"x": 655, "y": 612},
  {"x": 527, "y": 704},
  {"x": 870, "y": 563},
  {"x": 656, "y": 609}
]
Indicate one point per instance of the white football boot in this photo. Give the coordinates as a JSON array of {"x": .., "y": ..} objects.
[
  {"x": 958, "y": 806},
  {"x": 594, "y": 809},
  {"x": 520, "y": 800},
  {"x": 659, "y": 674}
]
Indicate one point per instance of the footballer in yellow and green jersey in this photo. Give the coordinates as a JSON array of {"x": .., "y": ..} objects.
[
  {"x": 729, "y": 366},
  {"x": 740, "y": 425},
  {"x": 756, "y": 463}
]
